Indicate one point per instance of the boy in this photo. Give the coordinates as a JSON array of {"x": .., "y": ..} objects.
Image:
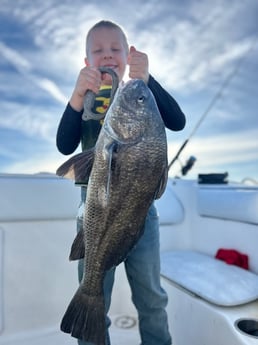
[{"x": 106, "y": 45}]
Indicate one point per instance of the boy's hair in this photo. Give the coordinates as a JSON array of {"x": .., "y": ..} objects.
[{"x": 109, "y": 25}]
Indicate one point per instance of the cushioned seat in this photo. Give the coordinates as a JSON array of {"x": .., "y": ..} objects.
[{"x": 209, "y": 278}]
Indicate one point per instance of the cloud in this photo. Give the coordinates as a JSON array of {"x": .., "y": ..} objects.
[
  {"x": 200, "y": 46},
  {"x": 192, "y": 47},
  {"x": 220, "y": 152},
  {"x": 36, "y": 123},
  {"x": 12, "y": 56},
  {"x": 37, "y": 163},
  {"x": 51, "y": 88},
  {"x": 23, "y": 66}
]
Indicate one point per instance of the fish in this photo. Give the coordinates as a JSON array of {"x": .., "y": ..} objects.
[{"x": 126, "y": 171}]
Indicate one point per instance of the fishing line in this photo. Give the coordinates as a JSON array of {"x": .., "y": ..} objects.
[{"x": 217, "y": 96}]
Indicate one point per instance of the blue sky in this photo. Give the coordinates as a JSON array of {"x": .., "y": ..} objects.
[{"x": 193, "y": 46}]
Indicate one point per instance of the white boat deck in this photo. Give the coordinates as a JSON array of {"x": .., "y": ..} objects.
[
  {"x": 118, "y": 336},
  {"x": 37, "y": 227},
  {"x": 125, "y": 336}
]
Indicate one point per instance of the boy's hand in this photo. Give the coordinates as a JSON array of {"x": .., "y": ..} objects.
[
  {"x": 89, "y": 79},
  {"x": 138, "y": 65}
]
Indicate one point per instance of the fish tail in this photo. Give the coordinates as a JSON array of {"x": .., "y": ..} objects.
[{"x": 85, "y": 318}]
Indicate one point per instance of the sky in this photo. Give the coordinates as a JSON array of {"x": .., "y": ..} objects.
[{"x": 203, "y": 52}]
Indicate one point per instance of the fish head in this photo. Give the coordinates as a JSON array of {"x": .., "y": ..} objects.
[{"x": 132, "y": 113}]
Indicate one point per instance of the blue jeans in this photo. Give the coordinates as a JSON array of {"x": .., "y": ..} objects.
[{"x": 142, "y": 267}]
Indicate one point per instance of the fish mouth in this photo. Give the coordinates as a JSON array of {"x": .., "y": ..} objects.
[{"x": 129, "y": 98}]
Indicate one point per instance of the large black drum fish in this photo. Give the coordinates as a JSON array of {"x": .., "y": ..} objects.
[{"x": 127, "y": 171}]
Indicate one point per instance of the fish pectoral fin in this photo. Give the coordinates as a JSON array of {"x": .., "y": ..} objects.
[
  {"x": 78, "y": 167},
  {"x": 162, "y": 184},
  {"x": 78, "y": 248},
  {"x": 111, "y": 152}
]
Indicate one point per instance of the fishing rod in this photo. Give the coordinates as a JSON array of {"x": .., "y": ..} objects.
[{"x": 217, "y": 95}]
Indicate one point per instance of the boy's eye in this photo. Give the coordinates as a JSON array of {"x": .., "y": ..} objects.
[{"x": 95, "y": 51}]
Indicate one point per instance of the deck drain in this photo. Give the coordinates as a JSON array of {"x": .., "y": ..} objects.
[{"x": 125, "y": 322}]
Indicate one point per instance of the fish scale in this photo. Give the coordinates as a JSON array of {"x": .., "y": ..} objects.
[{"x": 127, "y": 170}]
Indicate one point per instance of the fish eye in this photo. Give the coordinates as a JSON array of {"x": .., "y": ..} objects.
[{"x": 141, "y": 99}]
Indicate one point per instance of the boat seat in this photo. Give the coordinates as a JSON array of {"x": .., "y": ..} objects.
[
  {"x": 227, "y": 203},
  {"x": 37, "y": 197},
  {"x": 175, "y": 213},
  {"x": 211, "y": 279}
]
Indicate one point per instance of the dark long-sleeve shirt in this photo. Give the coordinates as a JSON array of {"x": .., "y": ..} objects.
[{"x": 70, "y": 130}]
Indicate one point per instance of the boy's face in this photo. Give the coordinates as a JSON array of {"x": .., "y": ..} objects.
[{"x": 107, "y": 47}]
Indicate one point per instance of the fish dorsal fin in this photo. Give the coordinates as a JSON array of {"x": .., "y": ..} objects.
[
  {"x": 78, "y": 167},
  {"x": 162, "y": 185}
]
